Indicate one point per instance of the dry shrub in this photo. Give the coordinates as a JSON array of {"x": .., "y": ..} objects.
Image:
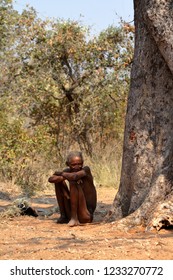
[
  {"x": 106, "y": 165},
  {"x": 13, "y": 210},
  {"x": 34, "y": 176}
]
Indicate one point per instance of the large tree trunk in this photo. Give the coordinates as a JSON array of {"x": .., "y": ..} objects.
[{"x": 146, "y": 186}]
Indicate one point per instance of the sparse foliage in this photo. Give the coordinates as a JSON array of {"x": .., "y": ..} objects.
[{"x": 59, "y": 88}]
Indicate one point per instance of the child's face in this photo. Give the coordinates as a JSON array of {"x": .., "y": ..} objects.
[{"x": 75, "y": 164}]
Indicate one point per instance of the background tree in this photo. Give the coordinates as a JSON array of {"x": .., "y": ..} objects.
[
  {"x": 72, "y": 84},
  {"x": 145, "y": 189},
  {"x": 60, "y": 89}
]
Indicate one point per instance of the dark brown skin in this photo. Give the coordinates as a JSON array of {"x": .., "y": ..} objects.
[{"x": 78, "y": 204}]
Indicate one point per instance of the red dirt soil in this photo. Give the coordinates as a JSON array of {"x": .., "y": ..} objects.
[{"x": 41, "y": 238}]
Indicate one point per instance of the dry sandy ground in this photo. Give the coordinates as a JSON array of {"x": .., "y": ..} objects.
[{"x": 41, "y": 238}]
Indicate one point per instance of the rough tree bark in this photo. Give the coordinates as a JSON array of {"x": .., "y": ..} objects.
[{"x": 145, "y": 193}]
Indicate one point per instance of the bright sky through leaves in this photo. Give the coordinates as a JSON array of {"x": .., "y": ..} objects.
[{"x": 98, "y": 14}]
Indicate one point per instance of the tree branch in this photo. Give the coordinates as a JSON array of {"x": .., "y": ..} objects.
[{"x": 159, "y": 15}]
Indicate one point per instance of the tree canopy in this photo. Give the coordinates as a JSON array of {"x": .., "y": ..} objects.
[{"x": 58, "y": 79}]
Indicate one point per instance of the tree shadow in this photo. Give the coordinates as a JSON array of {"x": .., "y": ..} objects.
[
  {"x": 47, "y": 207},
  {"x": 5, "y": 196},
  {"x": 101, "y": 212}
]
